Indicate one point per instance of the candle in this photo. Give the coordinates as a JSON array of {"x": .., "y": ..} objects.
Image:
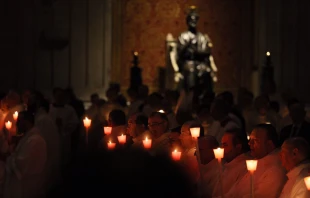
[
  {"x": 8, "y": 125},
  {"x": 147, "y": 143},
  {"x": 195, "y": 132},
  {"x": 218, "y": 153},
  {"x": 251, "y": 165},
  {"x": 136, "y": 53},
  {"x": 15, "y": 115},
  {"x": 121, "y": 139},
  {"x": 111, "y": 145},
  {"x": 87, "y": 122},
  {"x": 268, "y": 54},
  {"x": 176, "y": 155},
  {"x": 107, "y": 130},
  {"x": 307, "y": 182},
  {"x": 248, "y": 137},
  {"x": 161, "y": 111}
]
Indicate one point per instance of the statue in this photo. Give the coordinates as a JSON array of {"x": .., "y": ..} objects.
[
  {"x": 135, "y": 72},
  {"x": 194, "y": 64}
]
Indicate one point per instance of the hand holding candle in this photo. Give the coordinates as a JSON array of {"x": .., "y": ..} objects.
[
  {"x": 121, "y": 139},
  {"x": 111, "y": 145},
  {"x": 307, "y": 182},
  {"x": 15, "y": 115},
  {"x": 147, "y": 143},
  {"x": 195, "y": 132},
  {"x": 176, "y": 155},
  {"x": 251, "y": 165},
  {"x": 87, "y": 122},
  {"x": 107, "y": 130},
  {"x": 8, "y": 125}
]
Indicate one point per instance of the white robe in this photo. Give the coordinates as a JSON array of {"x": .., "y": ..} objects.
[
  {"x": 161, "y": 145},
  {"x": 209, "y": 177},
  {"x": 233, "y": 172},
  {"x": 269, "y": 179},
  {"x": 25, "y": 168},
  {"x": 49, "y": 132},
  {"x": 295, "y": 186}
]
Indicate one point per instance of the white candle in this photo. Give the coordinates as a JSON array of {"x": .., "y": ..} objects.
[
  {"x": 251, "y": 165},
  {"x": 176, "y": 155},
  {"x": 87, "y": 122},
  {"x": 121, "y": 139},
  {"x": 195, "y": 132},
  {"x": 218, "y": 153},
  {"x": 111, "y": 145},
  {"x": 307, "y": 182},
  {"x": 147, "y": 143},
  {"x": 8, "y": 125},
  {"x": 15, "y": 115},
  {"x": 107, "y": 130}
]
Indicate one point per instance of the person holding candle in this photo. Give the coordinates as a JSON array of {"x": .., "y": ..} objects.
[
  {"x": 295, "y": 153},
  {"x": 269, "y": 177},
  {"x": 136, "y": 128},
  {"x": 236, "y": 151}
]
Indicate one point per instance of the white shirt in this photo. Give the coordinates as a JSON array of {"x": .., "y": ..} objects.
[
  {"x": 233, "y": 172},
  {"x": 210, "y": 174},
  {"x": 25, "y": 168},
  {"x": 269, "y": 179},
  {"x": 161, "y": 145},
  {"x": 51, "y": 136},
  {"x": 295, "y": 186}
]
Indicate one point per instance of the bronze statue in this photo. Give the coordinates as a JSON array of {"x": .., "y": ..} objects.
[{"x": 194, "y": 64}]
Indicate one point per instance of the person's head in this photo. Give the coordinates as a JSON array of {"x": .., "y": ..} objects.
[
  {"x": 59, "y": 96},
  {"x": 275, "y": 106},
  {"x": 228, "y": 97},
  {"x": 219, "y": 109},
  {"x": 158, "y": 124},
  {"x": 297, "y": 113},
  {"x": 117, "y": 117},
  {"x": 12, "y": 99},
  {"x": 234, "y": 142},
  {"x": 36, "y": 101},
  {"x": 293, "y": 152},
  {"x": 263, "y": 140},
  {"x": 143, "y": 92},
  {"x": 111, "y": 94},
  {"x": 245, "y": 98},
  {"x": 185, "y": 136},
  {"x": 261, "y": 104},
  {"x": 137, "y": 124},
  {"x": 206, "y": 145},
  {"x": 155, "y": 101},
  {"x": 133, "y": 94},
  {"x": 94, "y": 99},
  {"x": 25, "y": 96},
  {"x": 25, "y": 121},
  {"x": 203, "y": 112},
  {"x": 192, "y": 18}
]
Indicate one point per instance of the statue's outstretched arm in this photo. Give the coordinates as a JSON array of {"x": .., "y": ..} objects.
[{"x": 173, "y": 57}]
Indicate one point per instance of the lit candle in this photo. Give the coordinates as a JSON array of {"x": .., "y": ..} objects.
[
  {"x": 87, "y": 122},
  {"x": 195, "y": 132},
  {"x": 176, "y": 155},
  {"x": 111, "y": 145},
  {"x": 15, "y": 115},
  {"x": 121, "y": 139},
  {"x": 307, "y": 182},
  {"x": 161, "y": 111},
  {"x": 136, "y": 53},
  {"x": 218, "y": 153},
  {"x": 248, "y": 137},
  {"x": 147, "y": 143},
  {"x": 8, "y": 125},
  {"x": 107, "y": 130},
  {"x": 251, "y": 165},
  {"x": 268, "y": 54}
]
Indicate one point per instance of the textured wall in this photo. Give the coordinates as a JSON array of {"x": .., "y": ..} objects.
[{"x": 228, "y": 23}]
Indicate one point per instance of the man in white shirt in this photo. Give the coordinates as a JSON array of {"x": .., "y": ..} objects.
[
  {"x": 136, "y": 128},
  {"x": 236, "y": 149},
  {"x": 25, "y": 168},
  {"x": 295, "y": 153},
  {"x": 48, "y": 129},
  {"x": 269, "y": 177}
]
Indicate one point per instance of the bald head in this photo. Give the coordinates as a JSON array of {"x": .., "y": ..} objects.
[{"x": 299, "y": 144}]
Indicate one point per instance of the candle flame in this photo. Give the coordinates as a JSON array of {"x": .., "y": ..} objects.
[
  {"x": 8, "y": 122},
  {"x": 86, "y": 118},
  {"x": 268, "y": 54},
  {"x": 122, "y": 134},
  {"x": 136, "y": 53},
  {"x": 175, "y": 150},
  {"x": 110, "y": 142},
  {"x": 161, "y": 111},
  {"x": 146, "y": 139}
]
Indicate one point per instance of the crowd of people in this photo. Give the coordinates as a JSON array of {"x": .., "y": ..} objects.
[{"x": 44, "y": 152}]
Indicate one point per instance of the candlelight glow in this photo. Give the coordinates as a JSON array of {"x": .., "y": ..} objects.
[
  {"x": 176, "y": 155},
  {"x": 218, "y": 153},
  {"x": 307, "y": 182},
  {"x": 87, "y": 122},
  {"x": 15, "y": 115},
  {"x": 122, "y": 139},
  {"x": 268, "y": 54},
  {"x": 251, "y": 165},
  {"x": 111, "y": 145},
  {"x": 136, "y": 53},
  {"x": 107, "y": 130},
  {"x": 8, "y": 125},
  {"x": 248, "y": 137},
  {"x": 161, "y": 111},
  {"x": 195, "y": 132}
]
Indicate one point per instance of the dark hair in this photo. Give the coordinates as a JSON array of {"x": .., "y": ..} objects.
[
  {"x": 271, "y": 133},
  {"x": 41, "y": 100},
  {"x": 301, "y": 144},
  {"x": 161, "y": 115},
  {"x": 26, "y": 115},
  {"x": 94, "y": 95},
  {"x": 228, "y": 97},
  {"x": 274, "y": 105},
  {"x": 117, "y": 117},
  {"x": 239, "y": 137},
  {"x": 142, "y": 119}
]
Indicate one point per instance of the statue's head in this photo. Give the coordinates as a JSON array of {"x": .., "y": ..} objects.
[{"x": 192, "y": 17}]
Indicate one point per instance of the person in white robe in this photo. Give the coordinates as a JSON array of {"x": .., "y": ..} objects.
[
  {"x": 136, "y": 128},
  {"x": 25, "y": 168},
  {"x": 135, "y": 102},
  {"x": 236, "y": 149},
  {"x": 295, "y": 153},
  {"x": 48, "y": 129},
  {"x": 67, "y": 122},
  {"x": 269, "y": 177}
]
